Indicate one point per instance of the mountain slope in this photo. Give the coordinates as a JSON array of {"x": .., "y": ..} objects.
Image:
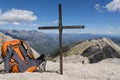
[
  {"x": 95, "y": 50},
  {"x": 41, "y": 42}
]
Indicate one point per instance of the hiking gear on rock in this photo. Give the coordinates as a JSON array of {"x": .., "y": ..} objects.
[{"x": 18, "y": 57}]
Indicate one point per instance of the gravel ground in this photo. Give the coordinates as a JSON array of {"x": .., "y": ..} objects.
[{"x": 108, "y": 69}]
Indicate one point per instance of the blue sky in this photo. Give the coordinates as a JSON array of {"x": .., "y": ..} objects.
[{"x": 98, "y": 16}]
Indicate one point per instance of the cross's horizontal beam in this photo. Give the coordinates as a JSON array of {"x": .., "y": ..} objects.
[{"x": 64, "y": 27}]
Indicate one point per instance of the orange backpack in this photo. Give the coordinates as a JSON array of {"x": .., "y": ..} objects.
[{"x": 18, "y": 56}]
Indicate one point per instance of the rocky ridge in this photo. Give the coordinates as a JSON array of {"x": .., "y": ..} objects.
[{"x": 95, "y": 50}]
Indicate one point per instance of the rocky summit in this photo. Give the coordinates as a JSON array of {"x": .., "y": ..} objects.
[{"x": 95, "y": 50}]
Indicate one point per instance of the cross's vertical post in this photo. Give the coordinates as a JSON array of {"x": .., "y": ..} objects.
[{"x": 60, "y": 39}]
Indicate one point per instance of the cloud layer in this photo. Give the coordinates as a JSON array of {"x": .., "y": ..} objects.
[
  {"x": 16, "y": 16},
  {"x": 113, "y": 5}
]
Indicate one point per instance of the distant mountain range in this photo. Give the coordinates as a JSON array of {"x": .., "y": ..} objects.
[
  {"x": 75, "y": 37},
  {"x": 48, "y": 43},
  {"x": 94, "y": 47},
  {"x": 41, "y": 42}
]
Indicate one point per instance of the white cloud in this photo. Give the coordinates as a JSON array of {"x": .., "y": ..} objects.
[
  {"x": 98, "y": 7},
  {"x": 16, "y": 23},
  {"x": 34, "y": 25},
  {"x": 3, "y": 23},
  {"x": 46, "y": 23},
  {"x": 0, "y": 11},
  {"x": 25, "y": 24},
  {"x": 111, "y": 27},
  {"x": 110, "y": 32},
  {"x": 55, "y": 22},
  {"x": 51, "y": 22},
  {"x": 114, "y": 5},
  {"x": 15, "y": 15},
  {"x": 107, "y": 32}
]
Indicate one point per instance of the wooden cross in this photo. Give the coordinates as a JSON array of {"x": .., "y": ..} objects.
[{"x": 60, "y": 27}]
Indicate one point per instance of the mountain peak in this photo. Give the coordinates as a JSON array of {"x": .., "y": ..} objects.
[
  {"x": 4, "y": 37},
  {"x": 96, "y": 49}
]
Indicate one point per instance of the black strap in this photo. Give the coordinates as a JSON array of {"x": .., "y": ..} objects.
[
  {"x": 22, "y": 49},
  {"x": 1, "y": 62}
]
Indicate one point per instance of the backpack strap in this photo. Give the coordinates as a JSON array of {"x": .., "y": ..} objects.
[
  {"x": 22, "y": 66},
  {"x": 7, "y": 59},
  {"x": 40, "y": 60},
  {"x": 11, "y": 53},
  {"x": 22, "y": 49},
  {"x": 28, "y": 62}
]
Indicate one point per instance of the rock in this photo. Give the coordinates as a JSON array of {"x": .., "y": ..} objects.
[
  {"x": 36, "y": 54},
  {"x": 102, "y": 49},
  {"x": 75, "y": 59},
  {"x": 95, "y": 50}
]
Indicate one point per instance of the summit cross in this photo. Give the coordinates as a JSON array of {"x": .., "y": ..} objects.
[{"x": 60, "y": 27}]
